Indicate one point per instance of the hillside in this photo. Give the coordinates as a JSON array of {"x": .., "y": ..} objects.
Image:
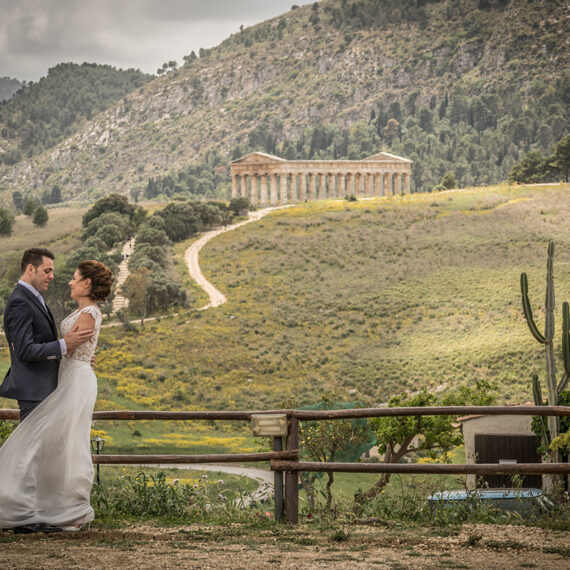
[
  {"x": 358, "y": 300},
  {"x": 45, "y": 113},
  {"x": 8, "y": 87},
  {"x": 466, "y": 86},
  {"x": 362, "y": 300}
]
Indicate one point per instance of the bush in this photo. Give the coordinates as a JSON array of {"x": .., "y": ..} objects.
[
  {"x": 6, "y": 221},
  {"x": 40, "y": 216}
]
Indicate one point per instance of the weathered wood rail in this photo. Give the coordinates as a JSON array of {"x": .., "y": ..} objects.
[{"x": 286, "y": 462}]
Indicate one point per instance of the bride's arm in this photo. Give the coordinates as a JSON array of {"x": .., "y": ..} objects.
[{"x": 81, "y": 332}]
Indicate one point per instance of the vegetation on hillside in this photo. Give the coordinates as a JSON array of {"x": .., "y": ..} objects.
[
  {"x": 464, "y": 87},
  {"x": 365, "y": 299},
  {"x": 42, "y": 114}
]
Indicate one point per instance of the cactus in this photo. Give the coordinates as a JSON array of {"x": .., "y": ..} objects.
[{"x": 554, "y": 388}]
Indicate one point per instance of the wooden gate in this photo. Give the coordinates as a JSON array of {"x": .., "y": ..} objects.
[{"x": 506, "y": 449}]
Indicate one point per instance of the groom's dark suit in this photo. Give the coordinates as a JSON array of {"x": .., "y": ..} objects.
[{"x": 35, "y": 352}]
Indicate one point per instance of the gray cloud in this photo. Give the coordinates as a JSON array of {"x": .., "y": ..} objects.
[{"x": 38, "y": 34}]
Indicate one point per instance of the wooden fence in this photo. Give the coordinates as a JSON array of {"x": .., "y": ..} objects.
[{"x": 286, "y": 461}]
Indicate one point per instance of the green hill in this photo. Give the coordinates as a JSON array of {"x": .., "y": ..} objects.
[
  {"x": 467, "y": 86},
  {"x": 360, "y": 299}
]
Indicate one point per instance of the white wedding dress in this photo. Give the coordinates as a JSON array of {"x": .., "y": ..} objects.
[{"x": 46, "y": 470}]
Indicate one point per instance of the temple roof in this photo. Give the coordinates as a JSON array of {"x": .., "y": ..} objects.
[
  {"x": 387, "y": 157},
  {"x": 257, "y": 158},
  {"x": 264, "y": 158}
]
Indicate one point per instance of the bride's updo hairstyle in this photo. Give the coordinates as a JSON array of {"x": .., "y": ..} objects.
[{"x": 101, "y": 278}]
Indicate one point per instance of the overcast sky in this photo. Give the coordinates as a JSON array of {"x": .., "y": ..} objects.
[{"x": 143, "y": 34}]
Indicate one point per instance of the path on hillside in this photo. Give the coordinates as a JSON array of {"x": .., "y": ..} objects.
[
  {"x": 120, "y": 302},
  {"x": 263, "y": 477},
  {"x": 217, "y": 298}
]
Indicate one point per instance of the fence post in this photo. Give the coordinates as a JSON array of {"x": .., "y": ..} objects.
[
  {"x": 292, "y": 477},
  {"x": 278, "y": 483}
]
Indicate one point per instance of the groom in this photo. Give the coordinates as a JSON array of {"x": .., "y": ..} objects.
[{"x": 31, "y": 332}]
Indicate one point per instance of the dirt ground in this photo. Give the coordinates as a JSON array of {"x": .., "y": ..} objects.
[{"x": 305, "y": 546}]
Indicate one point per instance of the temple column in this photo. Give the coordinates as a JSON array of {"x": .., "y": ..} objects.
[
  {"x": 283, "y": 188},
  {"x": 253, "y": 198},
  {"x": 243, "y": 185},
  {"x": 358, "y": 184},
  {"x": 235, "y": 186},
  {"x": 322, "y": 186},
  {"x": 340, "y": 186},
  {"x": 273, "y": 187},
  {"x": 406, "y": 182},
  {"x": 293, "y": 186},
  {"x": 397, "y": 183},
  {"x": 349, "y": 183},
  {"x": 302, "y": 187},
  {"x": 377, "y": 185},
  {"x": 332, "y": 187},
  {"x": 367, "y": 185},
  {"x": 387, "y": 184},
  {"x": 263, "y": 189},
  {"x": 312, "y": 183}
]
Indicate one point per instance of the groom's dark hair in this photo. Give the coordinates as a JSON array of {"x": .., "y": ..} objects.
[{"x": 34, "y": 255}]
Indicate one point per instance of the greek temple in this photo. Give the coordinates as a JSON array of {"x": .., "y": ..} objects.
[{"x": 269, "y": 180}]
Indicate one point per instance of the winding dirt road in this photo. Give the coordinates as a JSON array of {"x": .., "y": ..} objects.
[{"x": 217, "y": 298}]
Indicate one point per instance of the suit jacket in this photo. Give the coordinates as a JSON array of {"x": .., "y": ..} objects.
[{"x": 35, "y": 351}]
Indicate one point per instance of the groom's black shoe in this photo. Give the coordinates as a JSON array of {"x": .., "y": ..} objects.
[
  {"x": 37, "y": 527},
  {"x": 27, "y": 528}
]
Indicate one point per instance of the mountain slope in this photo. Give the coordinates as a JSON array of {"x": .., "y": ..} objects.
[{"x": 465, "y": 86}]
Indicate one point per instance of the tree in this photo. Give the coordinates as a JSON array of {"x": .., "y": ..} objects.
[
  {"x": 528, "y": 169},
  {"x": 436, "y": 435},
  {"x": 136, "y": 290},
  {"x": 6, "y": 221},
  {"x": 40, "y": 216},
  {"x": 111, "y": 227},
  {"x": 391, "y": 131},
  {"x": 328, "y": 441},
  {"x": 111, "y": 203},
  {"x": 448, "y": 181},
  {"x": 29, "y": 206},
  {"x": 561, "y": 156}
]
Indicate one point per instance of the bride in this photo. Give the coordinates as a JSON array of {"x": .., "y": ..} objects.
[{"x": 46, "y": 469}]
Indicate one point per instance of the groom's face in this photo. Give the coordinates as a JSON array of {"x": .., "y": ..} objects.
[{"x": 41, "y": 276}]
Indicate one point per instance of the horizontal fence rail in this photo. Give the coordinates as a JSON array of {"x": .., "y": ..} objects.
[
  {"x": 307, "y": 415},
  {"x": 285, "y": 463},
  {"x": 211, "y": 458},
  {"x": 432, "y": 468}
]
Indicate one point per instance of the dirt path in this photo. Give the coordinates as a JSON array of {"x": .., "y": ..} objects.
[
  {"x": 264, "y": 478},
  {"x": 120, "y": 302},
  {"x": 191, "y": 257},
  {"x": 266, "y": 545}
]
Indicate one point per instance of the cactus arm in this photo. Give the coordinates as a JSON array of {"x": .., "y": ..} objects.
[
  {"x": 563, "y": 382},
  {"x": 566, "y": 336},
  {"x": 538, "y": 401},
  {"x": 528, "y": 311},
  {"x": 565, "y": 347}
]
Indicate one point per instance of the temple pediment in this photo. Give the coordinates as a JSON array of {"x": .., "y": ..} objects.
[
  {"x": 258, "y": 158},
  {"x": 387, "y": 157}
]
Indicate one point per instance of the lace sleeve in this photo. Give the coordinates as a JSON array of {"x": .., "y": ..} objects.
[{"x": 86, "y": 350}]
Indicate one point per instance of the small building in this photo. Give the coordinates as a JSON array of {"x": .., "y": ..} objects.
[{"x": 500, "y": 439}]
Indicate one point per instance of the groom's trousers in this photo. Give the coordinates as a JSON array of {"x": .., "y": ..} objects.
[{"x": 26, "y": 406}]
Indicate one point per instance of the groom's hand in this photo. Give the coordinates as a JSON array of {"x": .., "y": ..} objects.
[{"x": 75, "y": 338}]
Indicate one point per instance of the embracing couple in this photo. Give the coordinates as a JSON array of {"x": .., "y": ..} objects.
[{"x": 46, "y": 470}]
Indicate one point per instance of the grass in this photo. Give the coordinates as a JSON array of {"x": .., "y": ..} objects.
[
  {"x": 61, "y": 234},
  {"x": 361, "y": 300}
]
